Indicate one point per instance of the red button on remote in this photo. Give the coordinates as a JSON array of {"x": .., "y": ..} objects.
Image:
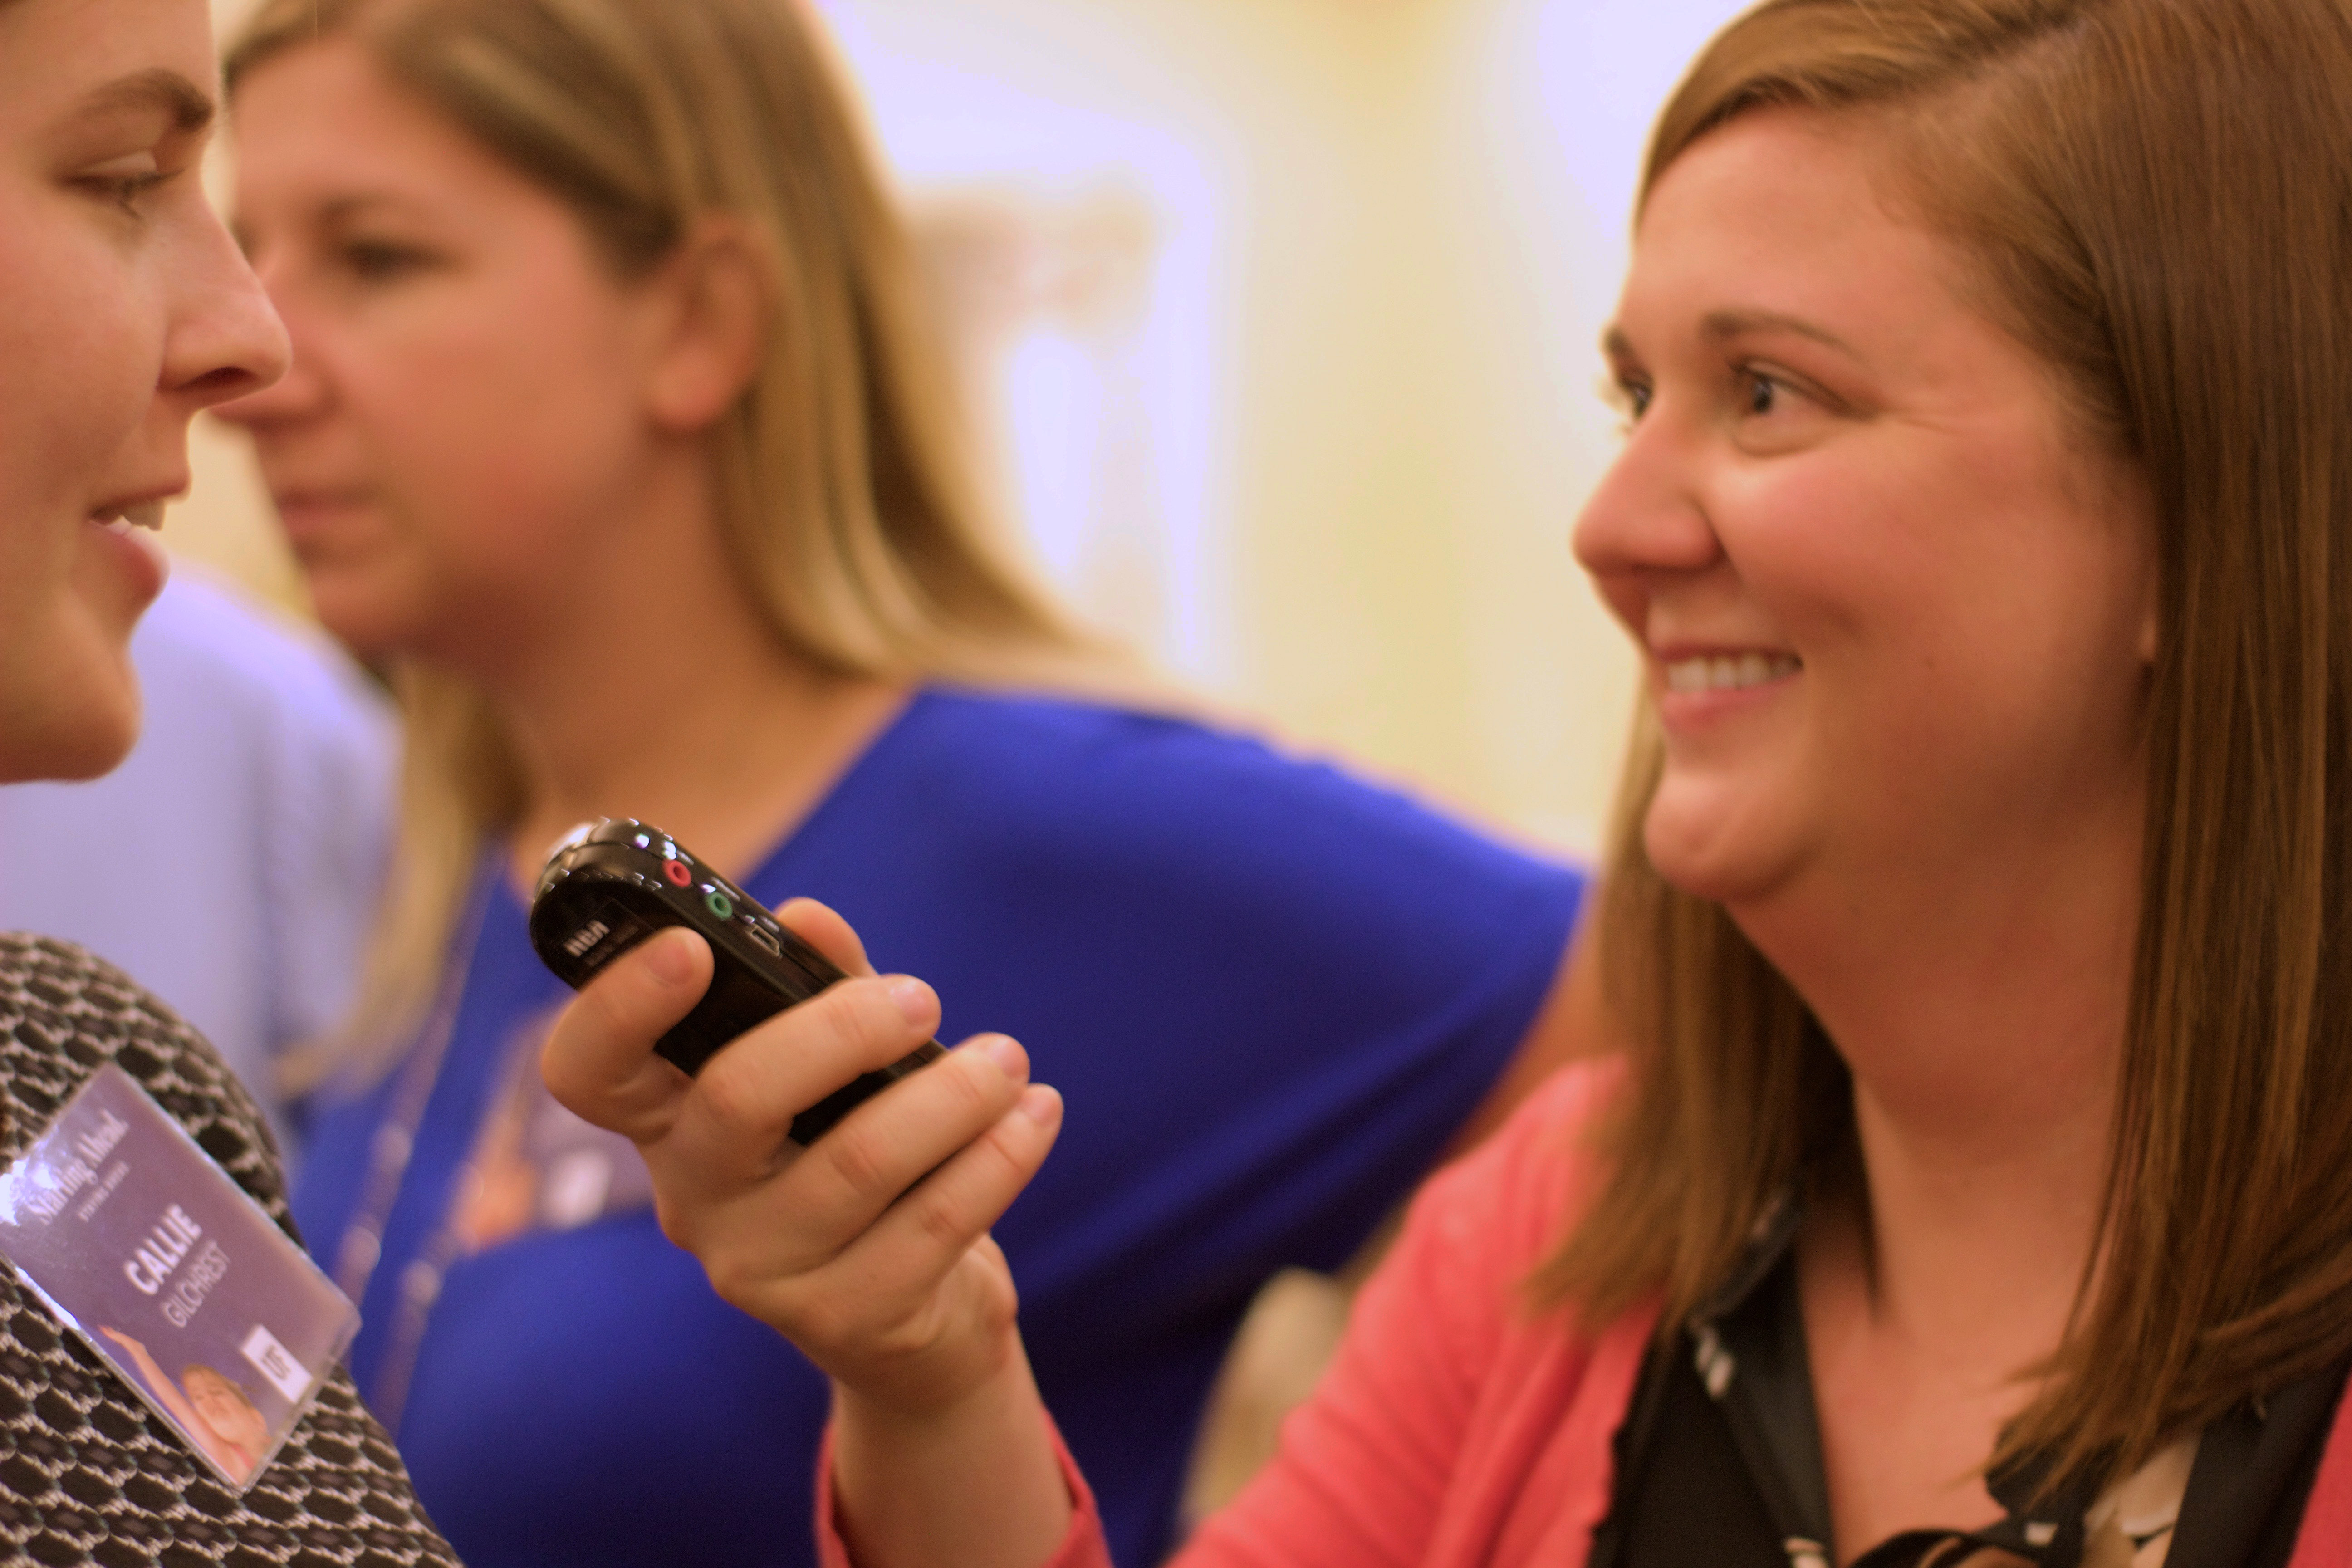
[{"x": 677, "y": 872}]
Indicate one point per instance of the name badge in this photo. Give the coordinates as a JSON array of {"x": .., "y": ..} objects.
[{"x": 151, "y": 1253}]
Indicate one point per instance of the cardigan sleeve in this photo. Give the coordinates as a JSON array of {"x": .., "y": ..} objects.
[
  {"x": 1082, "y": 1547},
  {"x": 1366, "y": 1466}
]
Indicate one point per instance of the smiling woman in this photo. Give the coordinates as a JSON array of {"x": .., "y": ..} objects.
[
  {"x": 128, "y": 309},
  {"x": 147, "y": 316}
]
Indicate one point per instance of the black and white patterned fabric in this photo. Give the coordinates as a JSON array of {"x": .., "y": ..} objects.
[{"x": 87, "y": 1475}]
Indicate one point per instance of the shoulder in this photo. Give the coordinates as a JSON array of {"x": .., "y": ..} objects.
[
  {"x": 1451, "y": 1296},
  {"x": 88, "y": 1455},
  {"x": 1135, "y": 847},
  {"x": 65, "y": 1014},
  {"x": 1128, "y": 789},
  {"x": 1145, "y": 754},
  {"x": 1507, "y": 1203}
]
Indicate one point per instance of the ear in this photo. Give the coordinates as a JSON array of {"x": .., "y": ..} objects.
[{"x": 712, "y": 310}]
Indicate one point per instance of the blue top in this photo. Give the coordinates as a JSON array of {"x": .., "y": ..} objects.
[{"x": 1268, "y": 992}]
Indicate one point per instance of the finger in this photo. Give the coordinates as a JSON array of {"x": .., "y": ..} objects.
[
  {"x": 599, "y": 1061},
  {"x": 904, "y": 1255},
  {"x": 826, "y": 931},
  {"x": 825, "y": 1197},
  {"x": 894, "y": 1141},
  {"x": 731, "y": 1128}
]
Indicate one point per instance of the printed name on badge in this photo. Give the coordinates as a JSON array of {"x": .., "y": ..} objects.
[{"x": 152, "y": 1253}]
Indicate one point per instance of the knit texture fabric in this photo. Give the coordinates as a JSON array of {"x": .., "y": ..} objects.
[{"x": 88, "y": 1474}]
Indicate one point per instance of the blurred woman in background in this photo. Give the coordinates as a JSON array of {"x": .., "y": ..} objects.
[
  {"x": 614, "y": 432},
  {"x": 1979, "y": 1186}
]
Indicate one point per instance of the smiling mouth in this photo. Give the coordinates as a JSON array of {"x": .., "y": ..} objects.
[
  {"x": 1728, "y": 672},
  {"x": 122, "y": 520}
]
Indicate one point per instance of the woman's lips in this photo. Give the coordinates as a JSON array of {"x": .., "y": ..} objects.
[
  {"x": 1696, "y": 673},
  {"x": 1696, "y": 689},
  {"x": 135, "y": 544},
  {"x": 318, "y": 524},
  {"x": 306, "y": 511}
]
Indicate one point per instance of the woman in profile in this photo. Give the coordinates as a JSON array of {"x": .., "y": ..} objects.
[
  {"x": 614, "y": 429},
  {"x": 1977, "y": 1186},
  {"x": 127, "y": 311}
]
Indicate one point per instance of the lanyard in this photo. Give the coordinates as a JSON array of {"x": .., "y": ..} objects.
[{"x": 390, "y": 1149}]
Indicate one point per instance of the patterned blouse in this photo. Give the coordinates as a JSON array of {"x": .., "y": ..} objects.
[
  {"x": 1720, "y": 1462},
  {"x": 87, "y": 1474}
]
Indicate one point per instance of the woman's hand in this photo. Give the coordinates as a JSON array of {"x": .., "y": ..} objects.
[
  {"x": 868, "y": 1250},
  {"x": 898, "y": 1294}
]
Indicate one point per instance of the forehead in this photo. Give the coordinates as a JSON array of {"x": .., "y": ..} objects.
[
  {"x": 57, "y": 56},
  {"x": 322, "y": 123},
  {"x": 1792, "y": 213}
]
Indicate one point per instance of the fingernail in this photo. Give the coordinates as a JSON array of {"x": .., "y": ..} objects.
[
  {"x": 666, "y": 959},
  {"x": 912, "y": 998},
  {"x": 1041, "y": 1105},
  {"x": 1010, "y": 1059}
]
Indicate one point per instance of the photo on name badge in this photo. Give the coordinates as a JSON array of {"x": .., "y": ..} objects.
[{"x": 151, "y": 1252}]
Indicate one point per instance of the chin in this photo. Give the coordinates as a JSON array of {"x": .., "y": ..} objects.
[
  {"x": 67, "y": 740},
  {"x": 1710, "y": 847},
  {"x": 375, "y": 619}
]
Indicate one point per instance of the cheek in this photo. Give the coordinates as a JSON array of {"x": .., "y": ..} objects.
[
  {"x": 499, "y": 432},
  {"x": 1968, "y": 628},
  {"x": 81, "y": 345},
  {"x": 80, "y": 352}
]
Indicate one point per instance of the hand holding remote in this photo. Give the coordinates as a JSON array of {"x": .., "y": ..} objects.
[
  {"x": 899, "y": 1293},
  {"x": 868, "y": 1249}
]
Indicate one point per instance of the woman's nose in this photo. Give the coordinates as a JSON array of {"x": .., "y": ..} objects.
[
  {"x": 295, "y": 393},
  {"x": 1648, "y": 516},
  {"x": 226, "y": 341}
]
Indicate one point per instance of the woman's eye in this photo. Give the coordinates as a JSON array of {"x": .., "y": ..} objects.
[
  {"x": 124, "y": 191},
  {"x": 1631, "y": 399},
  {"x": 1763, "y": 392},
  {"x": 374, "y": 261}
]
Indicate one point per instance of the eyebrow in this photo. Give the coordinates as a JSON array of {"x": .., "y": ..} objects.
[
  {"x": 341, "y": 209},
  {"x": 1719, "y": 326},
  {"x": 1722, "y": 325},
  {"x": 188, "y": 107}
]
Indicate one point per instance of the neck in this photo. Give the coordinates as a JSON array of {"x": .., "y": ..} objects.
[
  {"x": 651, "y": 686},
  {"x": 1980, "y": 1004}
]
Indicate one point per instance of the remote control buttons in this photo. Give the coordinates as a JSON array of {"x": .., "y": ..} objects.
[
  {"x": 719, "y": 904},
  {"x": 677, "y": 872}
]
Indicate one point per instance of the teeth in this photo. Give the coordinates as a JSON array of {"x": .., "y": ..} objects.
[
  {"x": 1726, "y": 672},
  {"x": 146, "y": 514}
]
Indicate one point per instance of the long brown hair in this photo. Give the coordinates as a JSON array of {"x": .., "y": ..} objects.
[
  {"x": 844, "y": 493},
  {"x": 2157, "y": 196}
]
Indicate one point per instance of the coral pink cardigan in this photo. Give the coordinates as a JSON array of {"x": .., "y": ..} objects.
[{"x": 1454, "y": 1428}]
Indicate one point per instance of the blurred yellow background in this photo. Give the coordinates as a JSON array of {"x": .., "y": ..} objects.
[{"x": 1280, "y": 317}]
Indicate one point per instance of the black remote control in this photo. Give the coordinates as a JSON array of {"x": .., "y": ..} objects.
[{"x": 611, "y": 884}]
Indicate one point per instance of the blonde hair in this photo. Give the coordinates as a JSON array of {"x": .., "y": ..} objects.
[
  {"x": 2154, "y": 193},
  {"x": 845, "y": 494}
]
